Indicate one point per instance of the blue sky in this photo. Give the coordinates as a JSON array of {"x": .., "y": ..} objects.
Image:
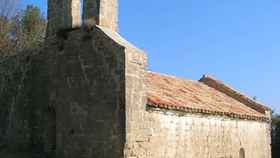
[{"x": 234, "y": 41}]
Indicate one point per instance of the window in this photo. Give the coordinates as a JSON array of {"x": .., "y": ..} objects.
[{"x": 242, "y": 153}]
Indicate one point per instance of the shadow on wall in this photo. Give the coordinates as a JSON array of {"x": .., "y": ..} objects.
[{"x": 5, "y": 154}]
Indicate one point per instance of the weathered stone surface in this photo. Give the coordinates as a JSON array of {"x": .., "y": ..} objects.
[
  {"x": 190, "y": 136},
  {"x": 66, "y": 14},
  {"x": 101, "y": 12},
  {"x": 63, "y": 14},
  {"x": 76, "y": 13},
  {"x": 88, "y": 76},
  {"x": 24, "y": 100},
  {"x": 68, "y": 100}
]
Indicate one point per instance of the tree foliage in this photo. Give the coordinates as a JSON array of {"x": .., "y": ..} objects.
[
  {"x": 24, "y": 30},
  {"x": 275, "y": 134}
]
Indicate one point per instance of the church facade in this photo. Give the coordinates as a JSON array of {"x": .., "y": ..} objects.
[{"x": 93, "y": 97}]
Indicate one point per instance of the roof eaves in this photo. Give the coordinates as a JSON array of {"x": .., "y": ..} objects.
[{"x": 187, "y": 109}]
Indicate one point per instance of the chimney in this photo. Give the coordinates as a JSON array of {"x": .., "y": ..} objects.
[{"x": 101, "y": 12}]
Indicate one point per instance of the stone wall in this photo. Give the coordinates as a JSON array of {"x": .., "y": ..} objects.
[
  {"x": 66, "y": 14},
  {"x": 88, "y": 80},
  {"x": 67, "y": 100},
  {"x": 136, "y": 125},
  {"x": 109, "y": 14},
  {"x": 178, "y": 135},
  {"x": 101, "y": 12},
  {"x": 63, "y": 14},
  {"x": 24, "y": 102},
  {"x": 76, "y": 13}
]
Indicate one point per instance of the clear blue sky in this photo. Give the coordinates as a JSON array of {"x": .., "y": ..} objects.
[{"x": 237, "y": 41}]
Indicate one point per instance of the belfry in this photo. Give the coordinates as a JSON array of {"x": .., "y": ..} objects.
[
  {"x": 66, "y": 14},
  {"x": 101, "y": 12}
]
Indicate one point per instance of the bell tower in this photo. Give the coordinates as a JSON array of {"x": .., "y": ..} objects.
[
  {"x": 63, "y": 14},
  {"x": 66, "y": 14},
  {"x": 101, "y": 12}
]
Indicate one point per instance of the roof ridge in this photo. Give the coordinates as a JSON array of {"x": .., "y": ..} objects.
[
  {"x": 235, "y": 94},
  {"x": 171, "y": 76}
]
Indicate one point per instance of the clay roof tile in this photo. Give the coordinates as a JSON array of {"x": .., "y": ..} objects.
[{"x": 169, "y": 92}]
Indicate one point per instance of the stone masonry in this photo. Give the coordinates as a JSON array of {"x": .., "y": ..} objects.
[
  {"x": 101, "y": 12},
  {"x": 198, "y": 136},
  {"x": 88, "y": 95},
  {"x": 66, "y": 14},
  {"x": 63, "y": 14}
]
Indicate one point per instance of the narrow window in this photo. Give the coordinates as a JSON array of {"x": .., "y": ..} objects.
[{"x": 242, "y": 153}]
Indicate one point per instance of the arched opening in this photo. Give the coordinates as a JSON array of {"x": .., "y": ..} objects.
[{"x": 242, "y": 153}]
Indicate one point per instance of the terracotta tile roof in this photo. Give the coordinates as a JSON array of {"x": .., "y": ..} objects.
[
  {"x": 174, "y": 93},
  {"x": 220, "y": 86}
]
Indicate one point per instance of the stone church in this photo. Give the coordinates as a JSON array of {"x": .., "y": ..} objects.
[{"x": 87, "y": 93}]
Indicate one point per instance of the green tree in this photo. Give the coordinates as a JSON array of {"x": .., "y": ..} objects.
[
  {"x": 33, "y": 27},
  {"x": 275, "y": 134},
  {"x": 24, "y": 30}
]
